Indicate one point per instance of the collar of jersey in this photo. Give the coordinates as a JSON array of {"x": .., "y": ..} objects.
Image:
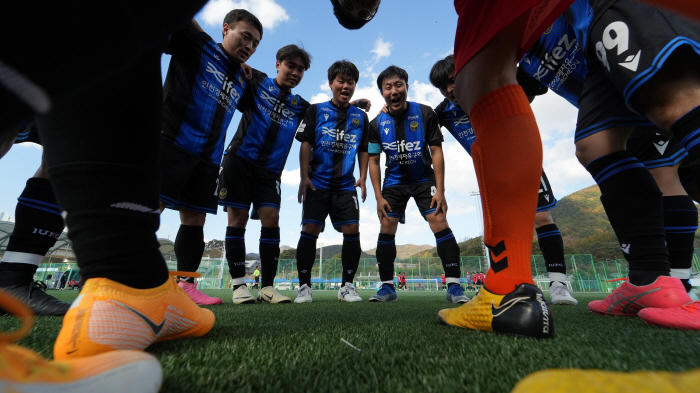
[{"x": 402, "y": 114}]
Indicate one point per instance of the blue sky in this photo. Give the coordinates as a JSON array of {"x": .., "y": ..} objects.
[{"x": 407, "y": 33}]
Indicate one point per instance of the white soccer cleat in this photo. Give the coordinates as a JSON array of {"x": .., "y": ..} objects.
[
  {"x": 242, "y": 296},
  {"x": 270, "y": 295},
  {"x": 560, "y": 294},
  {"x": 348, "y": 293},
  {"x": 303, "y": 294}
]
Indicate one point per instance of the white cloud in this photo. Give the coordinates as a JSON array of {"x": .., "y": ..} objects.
[
  {"x": 320, "y": 97},
  {"x": 381, "y": 50},
  {"x": 269, "y": 12},
  {"x": 556, "y": 117},
  {"x": 290, "y": 177},
  {"x": 31, "y": 145},
  {"x": 424, "y": 93}
]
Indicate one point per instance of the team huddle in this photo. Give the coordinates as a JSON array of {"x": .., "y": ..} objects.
[{"x": 636, "y": 88}]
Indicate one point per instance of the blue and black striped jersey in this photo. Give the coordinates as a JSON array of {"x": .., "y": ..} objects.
[
  {"x": 457, "y": 123},
  {"x": 28, "y": 132},
  {"x": 270, "y": 120},
  {"x": 201, "y": 93},
  {"x": 406, "y": 141},
  {"x": 337, "y": 135}
]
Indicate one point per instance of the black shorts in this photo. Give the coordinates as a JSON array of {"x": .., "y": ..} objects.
[
  {"x": 344, "y": 209},
  {"x": 242, "y": 183},
  {"x": 187, "y": 181},
  {"x": 645, "y": 37},
  {"x": 546, "y": 200},
  {"x": 655, "y": 148},
  {"x": 398, "y": 197}
]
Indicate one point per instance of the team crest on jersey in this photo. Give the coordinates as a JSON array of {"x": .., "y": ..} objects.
[
  {"x": 325, "y": 116},
  {"x": 271, "y": 88},
  {"x": 294, "y": 101},
  {"x": 549, "y": 30},
  {"x": 240, "y": 79},
  {"x": 356, "y": 122},
  {"x": 223, "y": 193},
  {"x": 414, "y": 125}
]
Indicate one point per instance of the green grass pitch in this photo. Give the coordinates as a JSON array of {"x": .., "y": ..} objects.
[{"x": 298, "y": 347}]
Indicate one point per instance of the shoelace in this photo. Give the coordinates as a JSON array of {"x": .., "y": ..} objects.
[
  {"x": 561, "y": 290},
  {"x": 691, "y": 307},
  {"x": 37, "y": 285}
]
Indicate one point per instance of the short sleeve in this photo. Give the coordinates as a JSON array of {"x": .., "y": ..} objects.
[
  {"x": 433, "y": 136},
  {"x": 307, "y": 128},
  {"x": 186, "y": 41},
  {"x": 530, "y": 85},
  {"x": 374, "y": 142},
  {"x": 364, "y": 141}
]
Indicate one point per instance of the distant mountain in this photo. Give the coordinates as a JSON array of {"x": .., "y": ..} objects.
[
  {"x": 284, "y": 248},
  {"x": 405, "y": 251}
]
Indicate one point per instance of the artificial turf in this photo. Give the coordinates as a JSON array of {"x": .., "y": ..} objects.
[{"x": 298, "y": 347}]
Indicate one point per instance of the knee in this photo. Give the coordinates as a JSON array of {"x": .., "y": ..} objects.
[
  {"x": 543, "y": 218},
  {"x": 269, "y": 217},
  {"x": 438, "y": 223},
  {"x": 350, "y": 229},
  {"x": 312, "y": 229},
  {"x": 189, "y": 217},
  {"x": 237, "y": 218}
]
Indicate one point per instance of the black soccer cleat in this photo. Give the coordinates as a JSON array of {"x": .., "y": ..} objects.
[{"x": 33, "y": 295}]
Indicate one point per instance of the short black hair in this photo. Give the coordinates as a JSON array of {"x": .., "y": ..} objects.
[
  {"x": 348, "y": 21},
  {"x": 442, "y": 71},
  {"x": 390, "y": 71},
  {"x": 236, "y": 16},
  {"x": 291, "y": 52},
  {"x": 343, "y": 67}
]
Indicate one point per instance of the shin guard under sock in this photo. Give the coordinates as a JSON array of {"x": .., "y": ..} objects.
[
  {"x": 38, "y": 224},
  {"x": 189, "y": 248},
  {"x": 235, "y": 252},
  {"x": 505, "y": 126},
  {"x": 306, "y": 255},
  {"x": 448, "y": 251},
  {"x": 632, "y": 201},
  {"x": 386, "y": 255},
  {"x": 269, "y": 254},
  {"x": 680, "y": 223},
  {"x": 350, "y": 255},
  {"x": 114, "y": 236},
  {"x": 552, "y": 247}
]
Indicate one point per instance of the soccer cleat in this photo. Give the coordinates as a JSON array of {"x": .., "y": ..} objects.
[
  {"x": 559, "y": 293},
  {"x": 32, "y": 294},
  {"x": 628, "y": 299},
  {"x": 197, "y": 296},
  {"x": 348, "y": 293},
  {"x": 685, "y": 317},
  {"x": 242, "y": 296},
  {"x": 521, "y": 313},
  {"x": 384, "y": 294},
  {"x": 600, "y": 381},
  {"x": 270, "y": 295},
  {"x": 303, "y": 294},
  {"x": 22, "y": 370},
  {"x": 455, "y": 294},
  {"x": 108, "y": 316}
]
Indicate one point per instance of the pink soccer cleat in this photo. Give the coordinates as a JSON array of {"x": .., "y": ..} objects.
[
  {"x": 686, "y": 317},
  {"x": 628, "y": 299},
  {"x": 197, "y": 296}
]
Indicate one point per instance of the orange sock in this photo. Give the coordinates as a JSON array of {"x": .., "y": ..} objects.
[{"x": 507, "y": 156}]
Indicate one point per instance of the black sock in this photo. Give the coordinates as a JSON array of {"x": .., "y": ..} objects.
[
  {"x": 306, "y": 255},
  {"x": 235, "y": 252},
  {"x": 351, "y": 256},
  {"x": 448, "y": 251},
  {"x": 680, "y": 223},
  {"x": 386, "y": 255},
  {"x": 269, "y": 255},
  {"x": 552, "y": 247},
  {"x": 189, "y": 248},
  {"x": 38, "y": 224},
  {"x": 632, "y": 201}
]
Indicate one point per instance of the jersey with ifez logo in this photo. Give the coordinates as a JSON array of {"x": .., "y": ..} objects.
[
  {"x": 270, "y": 120},
  {"x": 405, "y": 139},
  {"x": 201, "y": 93},
  {"x": 337, "y": 135},
  {"x": 457, "y": 123}
]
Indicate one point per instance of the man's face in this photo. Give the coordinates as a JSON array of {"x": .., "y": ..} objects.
[
  {"x": 241, "y": 41},
  {"x": 395, "y": 93},
  {"x": 449, "y": 91},
  {"x": 289, "y": 73},
  {"x": 342, "y": 87},
  {"x": 364, "y": 9}
]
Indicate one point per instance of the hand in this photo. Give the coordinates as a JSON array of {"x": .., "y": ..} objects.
[
  {"x": 383, "y": 209},
  {"x": 247, "y": 71},
  {"x": 362, "y": 103},
  {"x": 385, "y": 109},
  {"x": 303, "y": 186},
  {"x": 439, "y": 202},
  {"x": 361, "y": 183}
]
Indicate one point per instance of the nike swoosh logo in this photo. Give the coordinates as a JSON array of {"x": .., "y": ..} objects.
[
  {"x": 497, "y": 311},
  {"x": 156, "y": 328},
  {"x": 73, "y": 351},
  {"x": 268, "y": 297}
]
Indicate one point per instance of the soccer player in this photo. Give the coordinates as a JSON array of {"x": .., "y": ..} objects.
[
  {"x": 202, "y": 89},
  {"x": 38, "y": 224},
  {"x": 252, "y": 168},
  {"x": 409, "y": 135},
  {"x": 353, "y": 14},
  {"x": 453, "y": 118},
  {"x": 335, "y": 132}
]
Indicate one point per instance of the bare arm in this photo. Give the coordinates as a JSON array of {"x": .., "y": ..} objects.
[
  {"x": 304, "y": 159},
  {"x": 363, "y": 158},
  {"x": 375, "y": 175},
  {"x": 439, "y": 167},
  {"x": 197, "y": 26}
]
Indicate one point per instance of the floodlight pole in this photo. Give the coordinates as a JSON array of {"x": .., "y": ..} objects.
[
  {"x": 477, "y": 196},
  {"x": 320, "y": 264}
]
